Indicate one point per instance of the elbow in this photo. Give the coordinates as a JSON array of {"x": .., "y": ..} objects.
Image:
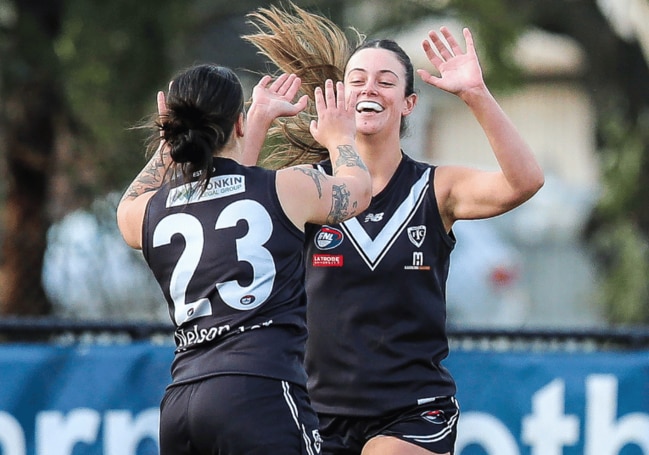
[
  {"x": 365, "y": 196},
  {"x": 532, "y": 186},
  {"x": 363, "y": 204},
  {"x": 536, "y": 182}
]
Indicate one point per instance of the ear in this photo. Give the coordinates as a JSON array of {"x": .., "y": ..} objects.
[
  {"x": 240, "y": 126},
  {"x": 411, "y": 102}
]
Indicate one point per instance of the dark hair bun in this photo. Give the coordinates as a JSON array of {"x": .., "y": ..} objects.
[
  {"x": 203, "y": 105},
  {"x": 190, "y": 133},
  {"x": 192, "y": 146}
]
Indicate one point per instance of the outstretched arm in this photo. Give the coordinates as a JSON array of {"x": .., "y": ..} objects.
[
  {"x": 130, "y": 211},
  {"x": 269, "y": 103},
  {"x": 469, "y": 193},
  {"x": 335, "y": 129},
  {"x": 308, "y": 195}
]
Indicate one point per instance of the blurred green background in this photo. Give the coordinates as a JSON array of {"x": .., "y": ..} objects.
[{"x": 573, "y": 74}]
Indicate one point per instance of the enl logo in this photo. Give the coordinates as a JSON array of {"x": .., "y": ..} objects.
[{"x": 328, "y": 238}]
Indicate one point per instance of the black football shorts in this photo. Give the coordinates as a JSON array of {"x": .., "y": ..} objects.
[
  {"x": 432, "y": 426},
  {"x": 238, "y": 415}
]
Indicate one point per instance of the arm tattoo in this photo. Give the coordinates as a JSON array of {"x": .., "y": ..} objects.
[
  {"x": 316, "y": 175},
  {"x": 340, "y": 206},
  {"x": 349, "y": 157},
  {"x": 149, "y": 179}
]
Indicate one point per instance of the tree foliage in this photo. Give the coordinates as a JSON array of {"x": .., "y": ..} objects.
[
  {"x": 74, "y": 75},
  {"x": 114, "y": 55},
  {"x": 31, "y": 113},
  {"x": 77, "y": 74}
]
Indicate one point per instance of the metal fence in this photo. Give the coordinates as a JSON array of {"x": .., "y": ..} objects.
[{"x": 68, "y": 331}]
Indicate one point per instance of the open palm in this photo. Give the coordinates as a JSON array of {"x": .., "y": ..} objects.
[
  {"x": 277, "y": 98},
  {"x": 459, "y": 71}
]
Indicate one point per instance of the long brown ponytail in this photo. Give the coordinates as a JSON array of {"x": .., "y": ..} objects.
[{"x": 315, "y": 49}]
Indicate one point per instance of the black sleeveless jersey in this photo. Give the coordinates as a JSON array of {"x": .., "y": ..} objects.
[
  {"x": 376, "y": 311},
  {"x": 230, "y": 265}
]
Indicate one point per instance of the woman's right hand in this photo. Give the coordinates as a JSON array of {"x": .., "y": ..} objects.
[
  {"x": 269, "y": 103},
  {"x": 276, "y": 100}
]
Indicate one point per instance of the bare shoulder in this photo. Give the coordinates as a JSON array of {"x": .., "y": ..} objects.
[
  {"x": 130, "y": 217},
  {"x": 449, "y": 179},
  {"x": 300, "y": 190},
  {"x": 446, "y": 176},
  {"x": 302, "y": 177}
]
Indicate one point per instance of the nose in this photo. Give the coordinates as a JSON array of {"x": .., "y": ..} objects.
[{"x": 369, "y": 89}]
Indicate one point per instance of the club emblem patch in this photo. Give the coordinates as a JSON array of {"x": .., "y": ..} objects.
[{"x": 417, "y": 234}]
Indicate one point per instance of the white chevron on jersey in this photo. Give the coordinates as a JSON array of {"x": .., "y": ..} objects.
[{"x": 372, "y": 251}]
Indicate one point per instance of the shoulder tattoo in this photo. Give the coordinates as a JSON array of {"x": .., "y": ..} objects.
[{"x": 316, "y": 176}]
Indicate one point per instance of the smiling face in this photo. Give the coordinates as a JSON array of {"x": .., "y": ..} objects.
[{"x": 379, "y": 78}]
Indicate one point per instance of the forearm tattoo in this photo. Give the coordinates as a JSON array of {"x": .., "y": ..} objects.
[
  {"x": 149, "y": 179},
  {"x": 349, "y": 157},
  {"x": 340, "y": 205},
  {"x": 316, "y": 175}
]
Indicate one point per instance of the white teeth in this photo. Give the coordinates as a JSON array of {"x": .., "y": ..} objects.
[{"x": 369, "y": 106}]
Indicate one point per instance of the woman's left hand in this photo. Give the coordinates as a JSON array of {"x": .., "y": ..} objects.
[{"x": 460, "y": 71}]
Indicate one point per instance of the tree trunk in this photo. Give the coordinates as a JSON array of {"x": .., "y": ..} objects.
[{"x": 31, "y": 104}]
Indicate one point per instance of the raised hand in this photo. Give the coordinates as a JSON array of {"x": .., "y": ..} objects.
[
  {"x": 163, "y": 149},
  {"x": 460, "y": 71},
  {"x": 276, "y": 100},
  {"x": 336, "y": 121},
  {"x": 162, "y": 103},
  {"x": 269, "y": 103}
]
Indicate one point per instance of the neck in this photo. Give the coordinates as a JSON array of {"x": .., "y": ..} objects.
[
  {"x": 381, "y": 156},
  {"x": 233, "y": 150}
]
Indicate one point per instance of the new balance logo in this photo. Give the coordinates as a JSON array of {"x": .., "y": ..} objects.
[{"x": 374, "y": 217}]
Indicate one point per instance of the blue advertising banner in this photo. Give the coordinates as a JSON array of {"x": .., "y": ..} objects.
[
  {"x": 81, "y": 400},
  {"x": 103, "y": 400},
  {"x": 525, "y": 403}
]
